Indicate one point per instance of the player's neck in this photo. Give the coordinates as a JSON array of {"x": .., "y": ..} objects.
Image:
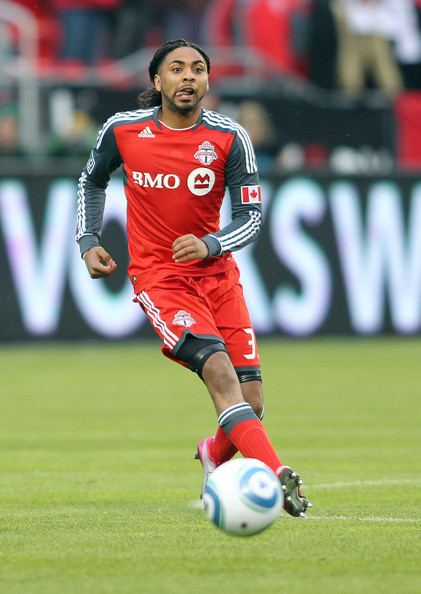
[{"x": 177, "y": 120}]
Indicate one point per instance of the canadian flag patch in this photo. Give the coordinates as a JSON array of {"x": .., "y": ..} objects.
[{"x": 251, "y": 194}]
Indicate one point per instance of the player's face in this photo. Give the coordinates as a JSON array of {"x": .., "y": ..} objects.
[{"x": 182, "y": 80}]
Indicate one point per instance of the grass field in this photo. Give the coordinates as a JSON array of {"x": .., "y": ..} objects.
[{"x": 98, "y": 484}]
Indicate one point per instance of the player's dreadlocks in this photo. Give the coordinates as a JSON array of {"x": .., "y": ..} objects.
[{"x": 151, "y": 97}]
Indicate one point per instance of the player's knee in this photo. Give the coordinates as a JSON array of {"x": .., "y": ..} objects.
[
  {"x": 219, "y": 370},
  {"x": 197, "y": 351}
]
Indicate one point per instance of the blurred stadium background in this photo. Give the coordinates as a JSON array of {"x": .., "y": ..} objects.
[{"x": 330, "y": 92}]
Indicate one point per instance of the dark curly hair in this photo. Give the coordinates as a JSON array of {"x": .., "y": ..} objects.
[{"x": 151, "y": 97}]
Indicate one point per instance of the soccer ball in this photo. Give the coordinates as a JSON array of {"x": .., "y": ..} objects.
[{"x": 243, "y": 497}]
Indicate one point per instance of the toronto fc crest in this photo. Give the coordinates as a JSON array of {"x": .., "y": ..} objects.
[
  {"x": 183, "y": 318},
  {"x": 206, "y": 153}
]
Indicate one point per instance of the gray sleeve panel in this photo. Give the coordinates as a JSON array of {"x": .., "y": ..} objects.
[
  {"x": 213, "y": 245},
  {"x": 104, "y": 159},
  {"x": 246, "y": 217},
  {"x": 86, "y": 242}
]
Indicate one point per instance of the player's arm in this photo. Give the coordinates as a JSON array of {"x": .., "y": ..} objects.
[
  {"x": 246, "y": 201},
  {"x": 104, "y": 159}
]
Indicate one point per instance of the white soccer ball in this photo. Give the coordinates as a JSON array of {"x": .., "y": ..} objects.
[{"x": 243, "y": 497}]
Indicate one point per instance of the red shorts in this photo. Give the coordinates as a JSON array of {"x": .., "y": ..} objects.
[{"x": 208, "y": 307}]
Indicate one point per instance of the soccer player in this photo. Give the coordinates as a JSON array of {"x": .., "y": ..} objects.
[{"x": 177, "y": 159}]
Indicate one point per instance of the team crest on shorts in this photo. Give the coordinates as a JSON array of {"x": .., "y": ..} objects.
[
  {"x": 206, "y": 153},
  {"x": 183, "y": 318}
]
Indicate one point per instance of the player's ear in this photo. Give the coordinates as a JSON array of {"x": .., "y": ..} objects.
[{"x": 157, "y": 82}]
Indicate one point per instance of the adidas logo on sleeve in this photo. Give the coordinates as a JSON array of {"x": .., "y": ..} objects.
[{"x": 146, "y": 133}]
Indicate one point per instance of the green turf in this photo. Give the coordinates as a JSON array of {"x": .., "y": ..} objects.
[{"x": 97, "y": 478}]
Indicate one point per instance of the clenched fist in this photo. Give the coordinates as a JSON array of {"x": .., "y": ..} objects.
[
  {"x": 189, "y": 247},
  {"x": 99, "y": 262}
]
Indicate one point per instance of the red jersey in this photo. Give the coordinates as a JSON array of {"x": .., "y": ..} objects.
[{"x": 174, "y": 182}]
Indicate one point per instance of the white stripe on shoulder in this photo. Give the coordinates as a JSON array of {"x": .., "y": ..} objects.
[
  {"x": 219, "y": 120},
  {"x": 223, "y": 118},
  {"x": 243, "y": 136},
  {"x": 138, "y": 114},
  {"x": 230, "y": 124}
]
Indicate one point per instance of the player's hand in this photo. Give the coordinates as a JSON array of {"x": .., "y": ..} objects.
[
  {"x": 99, "y": 262},
  {"x": 189, "y": 247}
]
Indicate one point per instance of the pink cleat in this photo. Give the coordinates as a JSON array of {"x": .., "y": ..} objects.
[{"x": 208, "y": 463}]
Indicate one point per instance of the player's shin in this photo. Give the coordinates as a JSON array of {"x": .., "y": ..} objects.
[
  {"x": 222, "y": 447},
  {"x": 246, "y": 432}
]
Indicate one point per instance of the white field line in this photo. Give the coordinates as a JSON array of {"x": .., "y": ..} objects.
[
  {"x": 378, "y": 519},
  {"x": 340, "y": 485},
  {"x": 197, "y": 504},
  {"x": 367, "y": 483}
]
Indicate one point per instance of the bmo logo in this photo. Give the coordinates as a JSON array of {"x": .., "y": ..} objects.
[
  {"x": 160, "y": 181},
  {"x": 201, "y": 181}
]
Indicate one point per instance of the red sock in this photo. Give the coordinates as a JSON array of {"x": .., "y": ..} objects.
[
  {"x": 251, "y": 439},
  {"x": 222, "y": 448}
]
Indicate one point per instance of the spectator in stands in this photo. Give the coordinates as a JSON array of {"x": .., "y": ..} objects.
[
  {"x": 136, "y": 26},
  {"x": 225, "y": 23},
  {"x": 85, "y": 26},
  {"x": 322, "y": 45},
  {"x": 184, "y": 19},
  {"x": 407, "y": 21},
  {"x": 265, "y": 26},
  {"x": 365, "y": 33}
]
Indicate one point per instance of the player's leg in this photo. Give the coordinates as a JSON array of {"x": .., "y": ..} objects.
[
  {"x": 237, "y": 420},
  {"x": 179, "y": 314},
  {"x": 177, "y": 310},
  {"x": 245, "y": 431},
  {"x": 220, "y": 448},
  {"x": 236, "y": 416},
  {"x": 250, "y": 438},
  {"x": 252, "y": 391},
  {"x": 233, "y": 321}
]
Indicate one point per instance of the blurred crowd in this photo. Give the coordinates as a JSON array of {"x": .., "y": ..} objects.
[
  {"x": 351, "y": 46},
  {"x": 344, "y": 44}
]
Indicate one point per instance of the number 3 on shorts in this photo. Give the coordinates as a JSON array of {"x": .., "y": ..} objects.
[{"x": 251, "y": 343}]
